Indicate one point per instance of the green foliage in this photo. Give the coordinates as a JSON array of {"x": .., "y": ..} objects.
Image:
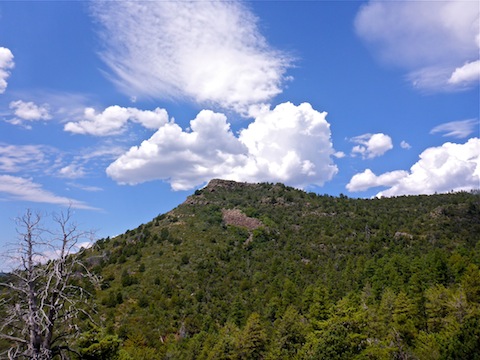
[
  {"x": 322, "y": 278},
  {"x": 471, "y": 283},
  {"x": 253, "y": 339},
  {"x": 465, "y": 344},
  {"x": 94, "y": 345},
  {"x": 289, "y": 335}
]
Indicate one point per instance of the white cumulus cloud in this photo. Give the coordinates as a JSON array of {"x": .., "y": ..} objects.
[
  {"x": 440, "y": 169},
  {"x": 367, "y": 179},
  {"x": 458, "y": 129},
  {"x": 289, "y": 144},
  {"x": 371, "y": 145},
  {"x": 210, "y": 52},
  {"x": 24, "y": 189},
  {"x": 6, "y": 63},
  {"x": 28, "y": 111},
  {"x": 468, "y": 73},
  {"x": 436, "y": 41},
  {"x": 113, "y": 120}
]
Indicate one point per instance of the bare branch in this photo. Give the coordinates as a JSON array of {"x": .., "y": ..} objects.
[{"x": 42, "y": 301}]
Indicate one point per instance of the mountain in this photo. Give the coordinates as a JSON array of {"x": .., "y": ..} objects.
[{"x": 266, "y": 271}]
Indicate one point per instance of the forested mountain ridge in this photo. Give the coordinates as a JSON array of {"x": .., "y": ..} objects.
[{"x": 265, "y": 271}]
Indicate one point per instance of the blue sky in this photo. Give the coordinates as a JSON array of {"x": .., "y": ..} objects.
[{"x": 122, "y": 109}]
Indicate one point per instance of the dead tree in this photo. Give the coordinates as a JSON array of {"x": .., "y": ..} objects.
[{"x": 44, "y": 295}]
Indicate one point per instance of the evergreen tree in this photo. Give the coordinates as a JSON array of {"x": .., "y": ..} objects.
[{"x": 253, "y": 339}]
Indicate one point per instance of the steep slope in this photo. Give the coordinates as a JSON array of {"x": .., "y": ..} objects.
[{"x": 316, "y": 276}]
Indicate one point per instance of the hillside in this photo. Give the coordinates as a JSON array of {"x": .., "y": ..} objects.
[{"x": 265, "y": 271}]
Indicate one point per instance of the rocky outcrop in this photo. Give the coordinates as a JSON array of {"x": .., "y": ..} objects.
[{"x": 238, "y": 218}]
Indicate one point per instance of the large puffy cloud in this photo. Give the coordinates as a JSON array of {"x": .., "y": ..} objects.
[
  {"x": 6, "y": 63},
  {"x": 183, "y": 158},
  {"x": 289, "y": 144},
  {"x": 371, "y": 145},
  {"x": 25, "y": 189},
  {"x": 113, "y": 120},
  {"x": 440, "y": 169},
  {"x": 436, "y": 41},
  {"x": 458, "y": 129},
  {"x": 207, "y": 51}
]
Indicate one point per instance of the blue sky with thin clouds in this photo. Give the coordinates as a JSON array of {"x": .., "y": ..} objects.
[{"x": 122, "y": 109}]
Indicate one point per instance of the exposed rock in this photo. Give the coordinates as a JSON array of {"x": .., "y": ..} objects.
[
  {"x": 238, "y": 218},
  {"x": 226, "y": 184}
]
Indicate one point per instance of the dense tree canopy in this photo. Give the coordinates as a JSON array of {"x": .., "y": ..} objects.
[{"x": 264, "y": 271}]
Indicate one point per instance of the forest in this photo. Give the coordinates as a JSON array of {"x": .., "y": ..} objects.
[{"x": 266, "y": 271}]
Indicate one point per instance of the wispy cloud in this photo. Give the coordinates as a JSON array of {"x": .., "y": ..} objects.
[
  {"x": 289, "y": 144},
  {"x": 87, "y": 161},
  {"x": 458, "y": 129},
  {"x": 72, "y": 171},
  {"x": 440, "y": 169},
  {"x": 18, "y": 158},
  {"x": 24, "y": 189},
  {"x": 437, "y": 42},
  {"x": 6, "y": 64},
  {"x": 43, "y": 160},
  {"x": 85, "y": 187},
  {"x": 210, "y": 52}
]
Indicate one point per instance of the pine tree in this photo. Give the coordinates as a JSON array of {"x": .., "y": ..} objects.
[{"x": 253, "y": 339}]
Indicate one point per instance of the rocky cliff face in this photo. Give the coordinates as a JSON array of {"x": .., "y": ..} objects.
[{"x": 227, "y": 184}]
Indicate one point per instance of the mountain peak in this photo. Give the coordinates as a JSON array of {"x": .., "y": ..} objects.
[{"x": 226, "y": 184}]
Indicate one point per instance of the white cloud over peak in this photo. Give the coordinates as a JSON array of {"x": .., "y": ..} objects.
[
  {"x": 458, "y": 129},
  {"x": 185, "y": 159},
  {"x": 436, "y": 41},
  {"x": 24, "y": 189},
  {"x": 6, "y": 63},
  {"x": 210, "y": 52},
  {"x": 113, "y": 120},
  {"x": 440, "y": 169},
  {"x": 289, "y": 144},
  {"x": 371, "y": 145}
]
